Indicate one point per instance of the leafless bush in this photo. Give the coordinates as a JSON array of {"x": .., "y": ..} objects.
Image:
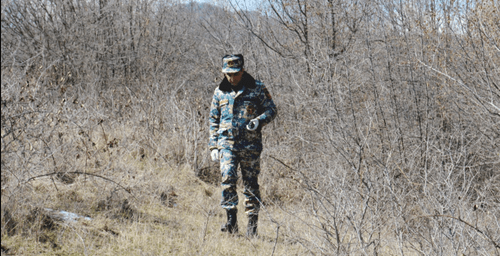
[{"x": 393, "y": 132}]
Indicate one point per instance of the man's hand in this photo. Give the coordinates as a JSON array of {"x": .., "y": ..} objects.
[
  {"x": 253, "y": 124},
  {"x": 215, "y": 155}
]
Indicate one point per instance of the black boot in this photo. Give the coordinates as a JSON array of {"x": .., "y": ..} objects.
[
  {"x": 252, "y": 225},
  {"x": 232, "y": 222}
]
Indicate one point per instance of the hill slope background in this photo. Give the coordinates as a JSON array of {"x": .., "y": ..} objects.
[{"x": 387, "y": 139}]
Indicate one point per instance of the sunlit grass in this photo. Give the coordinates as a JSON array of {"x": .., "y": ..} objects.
[{"x": 191, "y": 226}]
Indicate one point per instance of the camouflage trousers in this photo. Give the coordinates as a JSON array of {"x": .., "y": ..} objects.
[{"x": 249, "y": 162}]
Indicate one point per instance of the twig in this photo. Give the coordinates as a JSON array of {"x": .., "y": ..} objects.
[
  {"x": 479, "y": 99},
  {"x": 282, "y": 163},
  {"x": 83, "y": 241},
  {"x": 276, "y": 240},
  {"x": 209, "y": 213},
  {"x": 466, "y": 223}
]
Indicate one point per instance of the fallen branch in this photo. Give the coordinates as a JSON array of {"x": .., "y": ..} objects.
[{"x": 84, "y": 173}]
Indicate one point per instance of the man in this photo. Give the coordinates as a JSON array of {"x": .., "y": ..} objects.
[{"x": 241, "y": 106}]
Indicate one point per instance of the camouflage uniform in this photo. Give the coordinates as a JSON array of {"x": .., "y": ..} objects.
[{"x": 231, "y": 110}]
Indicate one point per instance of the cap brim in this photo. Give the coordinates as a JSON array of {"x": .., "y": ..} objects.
[{"x": 231, "y": 70}]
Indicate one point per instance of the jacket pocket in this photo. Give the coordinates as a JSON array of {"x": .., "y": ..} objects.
[
  {"x": 225, "y": 107},
  {"x": 249, "y": 110},
  {"x": 223, "y": 102},
  {"x": 226, "y": 133}
]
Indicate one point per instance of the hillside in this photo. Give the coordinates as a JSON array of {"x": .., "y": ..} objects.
[
  {"x": 387, "y": 140},
  {"x": 169, "y": 212}
]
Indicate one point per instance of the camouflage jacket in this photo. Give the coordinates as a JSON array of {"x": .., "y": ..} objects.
[{"x": 233, "y": 108}]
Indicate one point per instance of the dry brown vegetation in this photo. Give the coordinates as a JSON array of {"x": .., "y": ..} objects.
[{"x": 387, "y": 140}]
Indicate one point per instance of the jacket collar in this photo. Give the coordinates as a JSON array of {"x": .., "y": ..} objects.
[{"x": 247, "y": 81}]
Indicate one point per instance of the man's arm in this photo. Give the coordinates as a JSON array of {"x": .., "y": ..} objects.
[
  {"x": 214, "y": 120},
  {"x": 268, "y": 107}
]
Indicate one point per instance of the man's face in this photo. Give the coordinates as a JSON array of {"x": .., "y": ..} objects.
[{"x": 234, "y": 78}]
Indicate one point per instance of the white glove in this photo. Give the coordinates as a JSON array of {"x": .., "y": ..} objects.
[
  {"x": 253, "y": 124},
  {"x": 215, "y": 155}
]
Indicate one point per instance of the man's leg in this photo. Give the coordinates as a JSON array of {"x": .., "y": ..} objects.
[
  {"x": 250, "y": 169},
  {"x": 228, "y": 166}
]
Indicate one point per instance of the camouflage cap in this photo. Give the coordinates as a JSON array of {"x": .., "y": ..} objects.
[{"x": 232, "y": 63}]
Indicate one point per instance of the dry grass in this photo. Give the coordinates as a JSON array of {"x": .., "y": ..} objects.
[{"x": 184, "y": 222}]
